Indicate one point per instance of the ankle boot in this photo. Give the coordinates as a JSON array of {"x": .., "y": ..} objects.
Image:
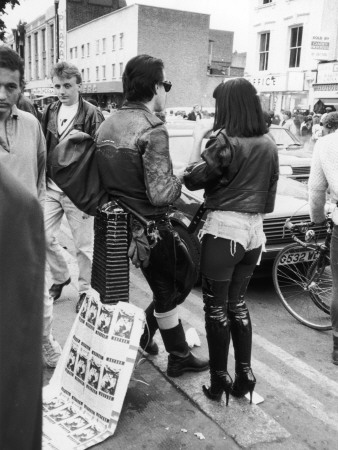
[
  {"x": 241, "y": 333},
  {"x": 220, "y": 381},
  {"x": 146, "y": 342},
  {"x": 335, "y": 350},
  {"x": 180, "y": 358},
  {"x": 218, "y": 337}
]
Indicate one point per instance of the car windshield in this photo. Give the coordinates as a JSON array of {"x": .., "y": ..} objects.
[{"x": 283, "y": 137}]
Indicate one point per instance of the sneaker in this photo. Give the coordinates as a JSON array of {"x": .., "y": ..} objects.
[
  {"x": 80, "y": 301},
  {"x": 51, "y": 351}
]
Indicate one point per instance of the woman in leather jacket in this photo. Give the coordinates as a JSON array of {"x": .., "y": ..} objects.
[{"x": 239, "y": 171}]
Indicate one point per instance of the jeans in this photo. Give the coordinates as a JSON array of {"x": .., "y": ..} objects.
[
  {"x": 82, "y": 228},
  {"x": 334, "y": 269}
]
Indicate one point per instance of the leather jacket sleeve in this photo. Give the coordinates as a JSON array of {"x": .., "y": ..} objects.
[
  {"x": 216, "y": 156},
  {"x": 270, "y": 201},
  {"x": 163, "y": 187}
]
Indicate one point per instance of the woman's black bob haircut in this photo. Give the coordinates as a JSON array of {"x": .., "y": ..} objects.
[
  {"x": 238, "y": 109},
  {"x": 140, "y": 76}
]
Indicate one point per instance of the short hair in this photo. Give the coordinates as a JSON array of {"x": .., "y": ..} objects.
[
  {"x": 9, "y": 59},
  {"x": 67, "y": 70},
  {"x": 140, "y": 76},
  {"x": 238, "y": 109},
  {"x": 287, "y": 113},
  {"x": 330, "y": 121}
]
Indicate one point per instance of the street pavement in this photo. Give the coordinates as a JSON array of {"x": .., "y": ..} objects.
[{"x": 164, "y": 413}]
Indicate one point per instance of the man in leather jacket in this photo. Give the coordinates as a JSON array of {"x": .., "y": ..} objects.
[
  {"x": 69, "y": 113},
  {"x": 135, "y": 166}
]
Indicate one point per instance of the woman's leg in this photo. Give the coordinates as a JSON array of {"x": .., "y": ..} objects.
[
  {"x": 218, "y": 262},
  {"x": 240, "y": 323}
]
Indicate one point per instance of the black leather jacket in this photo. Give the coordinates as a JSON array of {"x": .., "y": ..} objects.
[
  {"x": 134, "y": 162},
  {"x": 237, "y": 174},
  {"x": 88, "y": 119}
]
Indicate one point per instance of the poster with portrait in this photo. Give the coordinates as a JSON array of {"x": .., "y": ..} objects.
[{"x": 84, "y": 398}]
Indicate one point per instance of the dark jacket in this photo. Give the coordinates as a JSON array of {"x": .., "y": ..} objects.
[
  {"x": 88, "y": 119},
  {"x": 238, "y": 174},
  {"x": 134, "y": 162}
]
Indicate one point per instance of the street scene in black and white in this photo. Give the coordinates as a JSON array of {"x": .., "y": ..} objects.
[{"x": 169, "y": 224}]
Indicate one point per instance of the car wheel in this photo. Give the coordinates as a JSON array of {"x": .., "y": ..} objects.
[{"x": 194, "y": 247}]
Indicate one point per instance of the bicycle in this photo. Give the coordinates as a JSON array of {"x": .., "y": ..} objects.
[{"x": 302, "y": 276}]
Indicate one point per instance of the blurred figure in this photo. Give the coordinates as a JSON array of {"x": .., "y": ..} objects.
[
  {"x": 22, "y": 261},
  {"x": 239, "y": 157},
  {"x": 316, "y": 128},
  {"x": 323, "y": 177},
  {"x": 287, "y": 122},
  {"x": 195, "y": 114}
]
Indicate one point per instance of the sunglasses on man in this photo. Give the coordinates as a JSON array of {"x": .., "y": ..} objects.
[{"x": 167, "y": 85}]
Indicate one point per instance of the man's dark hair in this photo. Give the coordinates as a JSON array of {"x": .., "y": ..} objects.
[
  {"x": 287, "y": 113},
  {"x": 9, "y": 59},
  {"x": 140, "y": 76},
  {"x": 238, "y": 109},
  {"x": 64, "y": 69}
]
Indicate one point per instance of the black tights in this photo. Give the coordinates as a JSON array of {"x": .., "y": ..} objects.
[{"x": 226, "y": 272}]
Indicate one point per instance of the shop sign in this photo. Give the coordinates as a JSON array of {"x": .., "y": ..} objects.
[
  {"x": 327, "y": 73},
  {"x": 42, "y": 91},
  {"x": 268, "y": 83},
  {"x": 321, "y": 47},
  {"x": 89, "y": 87},
  {"x": 326, "y": 90}
]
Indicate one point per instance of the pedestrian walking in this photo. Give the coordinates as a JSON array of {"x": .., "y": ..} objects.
[
  {"x": 135, "y": 166},
  {"x": 59, "y": 119},
  {"x": 323, "y": 178},
  {"x": 239, "y": 173}
]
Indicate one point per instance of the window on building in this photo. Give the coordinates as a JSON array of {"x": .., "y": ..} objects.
[
  {"x": 266, "y": 1},
  {"x": 97, "y": 46},
  {"x": 104, "y": 45},
  {"x": 71, "y": 53},
  {"x": 97, "y": 73},
  {"x": 113, "y": 73},
  {"x": 88, "y": 49},
  {"x": 82, "y": 51},
  {"x": 36, "y": 52},
  {"x": 121, "y": 70},
  {"x": 29, "y": 57},
  {"x": 52, "y": 43},
  {"x": 113, "y": 42},
  {"x": 103, "y": 72},
  {"x": 44, "y": 54},
  {"x": 264, "y": 51},
  {"x": 88, "y": 74},
  {"x": 75, "y": 52},
  {"x": 121, "y": 40},
  {"x": 83, "y": 74},
  {"x": 295, "y": 46}
]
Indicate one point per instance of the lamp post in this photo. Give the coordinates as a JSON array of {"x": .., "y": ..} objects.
[{"x": 56, "y": 5}]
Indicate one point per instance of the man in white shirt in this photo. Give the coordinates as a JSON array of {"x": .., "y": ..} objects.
[{"x": 68, "y": 113}]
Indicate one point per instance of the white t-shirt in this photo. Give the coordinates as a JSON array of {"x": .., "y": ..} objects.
[{"x": 65, "y": 121}]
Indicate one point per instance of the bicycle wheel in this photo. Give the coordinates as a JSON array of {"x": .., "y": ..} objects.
[
  {"x": 321, "y": 285},
  {"x": 291, "y": 268}
]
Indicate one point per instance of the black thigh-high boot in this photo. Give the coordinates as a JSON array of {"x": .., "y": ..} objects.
[
  {"x": 215, "y": 295},
  {"x": 241, "y": 333},
  {"x": 180, "y": 358},
  {"x": 146, "y": 342}
]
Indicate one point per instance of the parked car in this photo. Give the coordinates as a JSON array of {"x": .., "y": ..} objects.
[{"x": 291, "y": 199}]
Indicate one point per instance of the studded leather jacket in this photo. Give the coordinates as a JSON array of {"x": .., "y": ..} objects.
[
  {"x": 238, "y": 174},
  {"x": 134, "y": 161}
]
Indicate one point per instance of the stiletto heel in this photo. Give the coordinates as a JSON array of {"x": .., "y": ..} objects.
[
  {"x": 245, "y": 382},
  {"x": 219, "y": 381}
]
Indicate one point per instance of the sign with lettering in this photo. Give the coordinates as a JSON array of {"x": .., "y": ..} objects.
[
  {"x": 327, "y": 73},
  {"x": 321, "y": 47},
  {"x": 269, "y": 83}
]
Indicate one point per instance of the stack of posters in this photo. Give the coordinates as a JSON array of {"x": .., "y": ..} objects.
[{"x": 83, "y": 401}]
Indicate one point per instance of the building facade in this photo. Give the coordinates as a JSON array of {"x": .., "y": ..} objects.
[
  {"x": 102, "y": 47},
  {"x": 289, "y": 41}
]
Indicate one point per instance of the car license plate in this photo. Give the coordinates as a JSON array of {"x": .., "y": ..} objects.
[{"x": 300, "y": 256}]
